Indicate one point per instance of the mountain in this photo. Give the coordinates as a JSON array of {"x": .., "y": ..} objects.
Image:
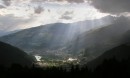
[
  {"x": 120, "y": 53},
  {"x": 40, "y": 39},
  {"x": 96, "y": 42},
  {"x": 52, "y": 39},
  {"x": 3, "y": 32},
  {"x": 11, "y": 55}
]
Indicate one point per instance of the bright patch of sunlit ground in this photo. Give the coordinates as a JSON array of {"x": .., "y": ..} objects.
[{"x": 57, "y": 63}]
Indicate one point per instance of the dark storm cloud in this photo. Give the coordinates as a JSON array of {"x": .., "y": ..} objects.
[
  {"x": 38, "y": 10},
  {"x": 7, "y": 2},
  {"x": 112, "y": 6}
]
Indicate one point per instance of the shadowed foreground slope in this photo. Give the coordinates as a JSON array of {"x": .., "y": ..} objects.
[
  {"x": 10, "y": 55},
  {"x": 119, "y": 53}
]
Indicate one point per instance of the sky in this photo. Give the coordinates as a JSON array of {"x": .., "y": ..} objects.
[
  {"x": 22, "y": 14},
  {"x": 112, "y": 6}
]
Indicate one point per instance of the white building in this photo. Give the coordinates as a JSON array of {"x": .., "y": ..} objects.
[
  {"x": 38, "y": 58},
  {"x": 72, "y": 59}
]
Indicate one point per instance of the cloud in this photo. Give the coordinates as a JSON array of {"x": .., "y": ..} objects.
[
  {"x": 76, "y": 1},
  {"x": 25, "y": 14},
  {"x": 67, "y": 15},
  {"x": 38, "y": 0},
  {"x": 70, "y": 1},
  {"x": 10, "y": 22},
  {"x": 7, "y": 2},
  {"x": 38, "y": 10},
  {"x": 49, "y": 10},
  {"x": 1, "y": 6},
  {"x": 112, "y": 6}
]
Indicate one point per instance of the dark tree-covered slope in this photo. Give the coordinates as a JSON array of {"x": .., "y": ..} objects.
[
  {"x": 119, "y": 53},
  {"x": 11, "y": 55}
]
